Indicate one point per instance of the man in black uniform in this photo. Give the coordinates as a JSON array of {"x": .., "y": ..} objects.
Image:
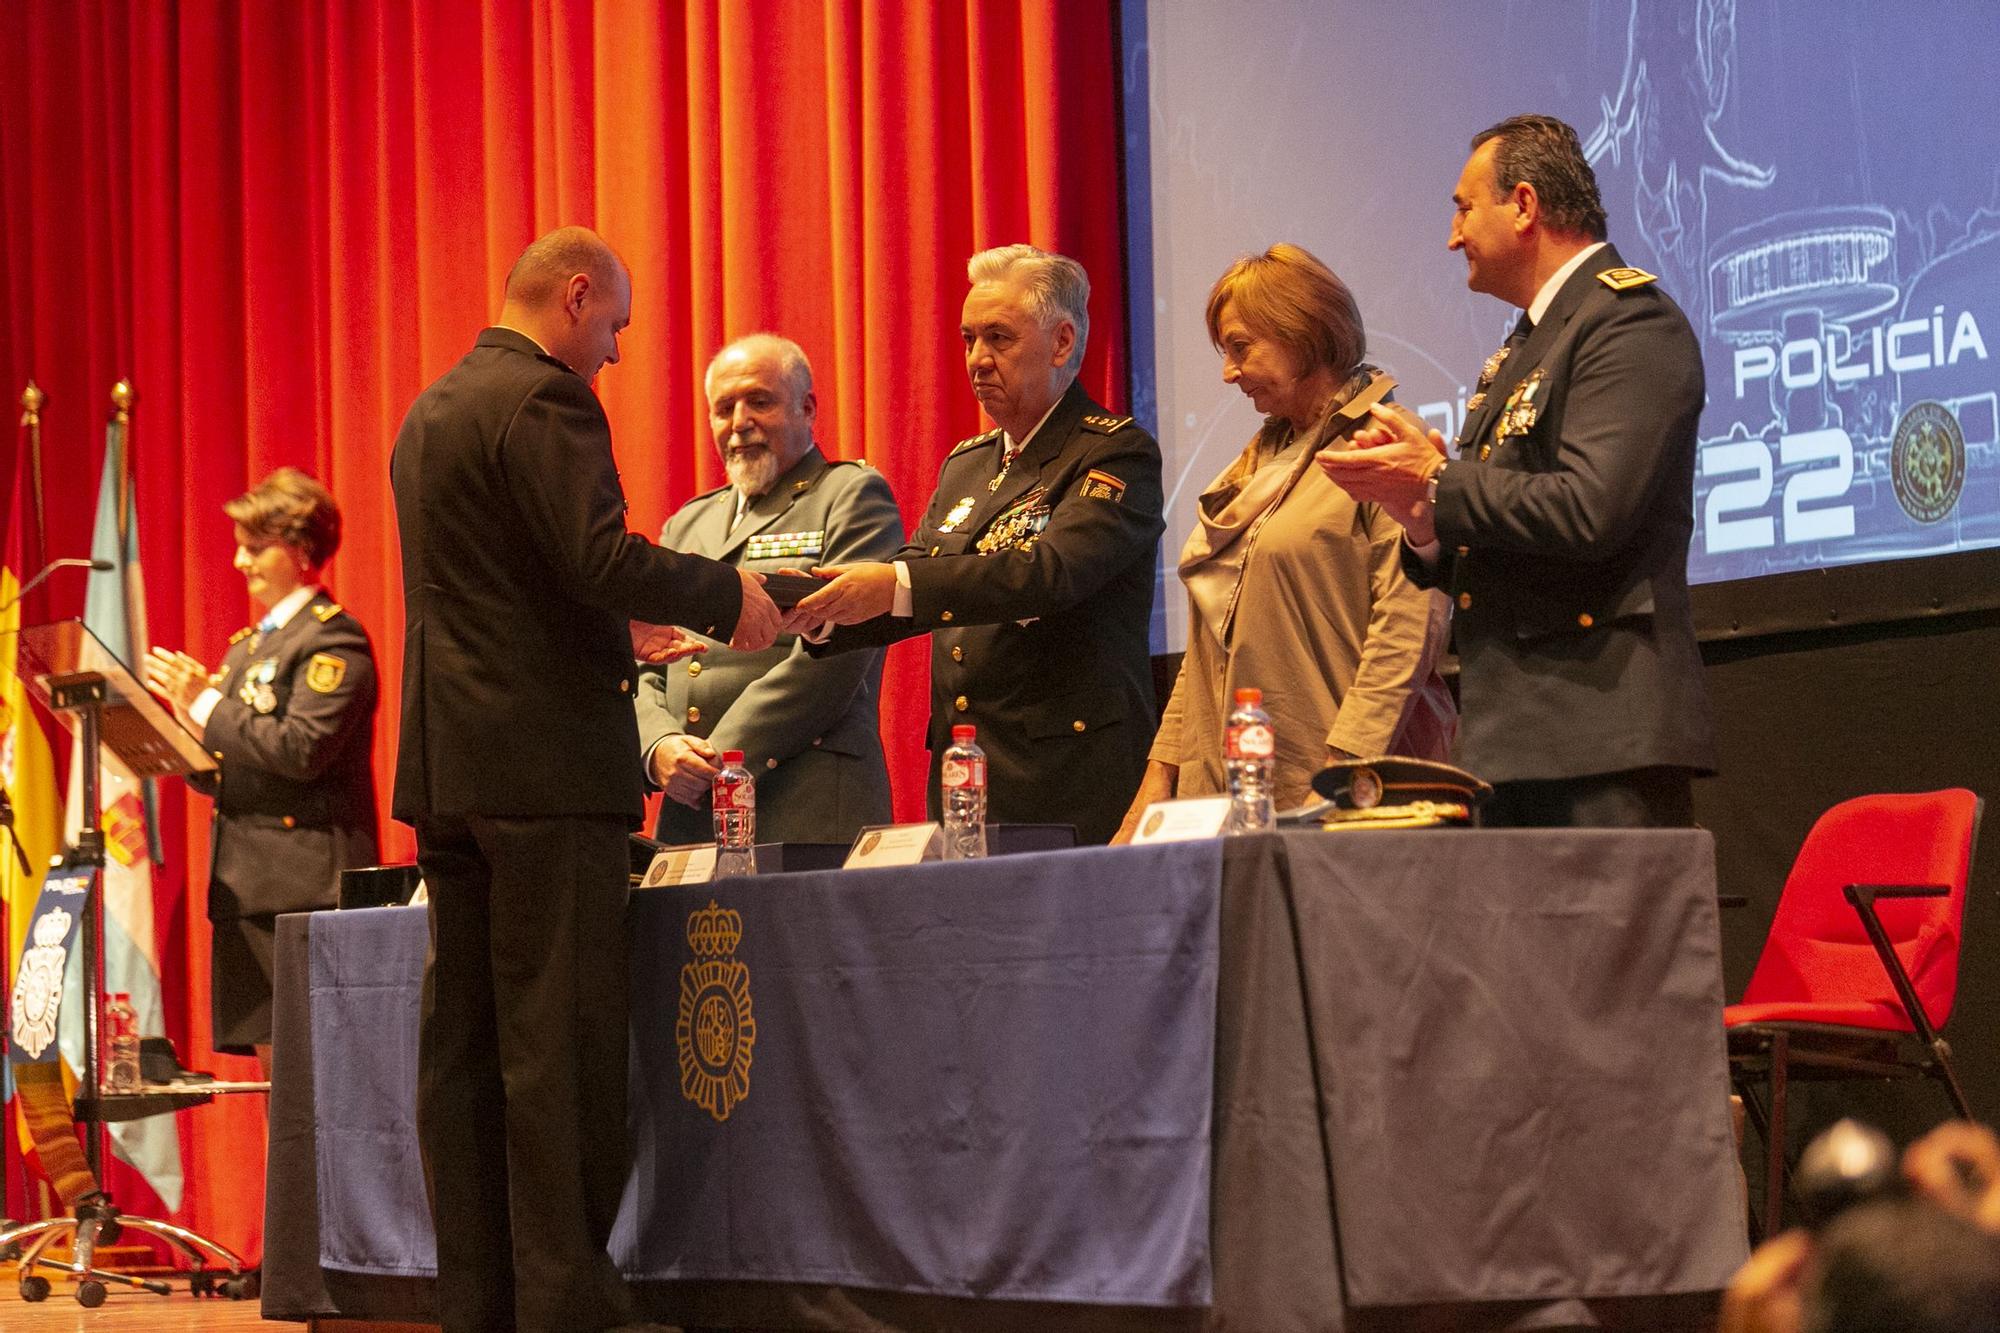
[
  {"x": 1561, "y": 528},
  {"x": 1032, "y": 569},
  {"x": 518, "y": 764}
]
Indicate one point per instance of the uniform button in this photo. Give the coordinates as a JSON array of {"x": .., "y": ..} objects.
[
  {"x": 1076, "y": 725},
  {"x": 1586, "y": 620},
  {"x": 934, "y": 550},
  {"x": 694, "y": 668},
  {"x": 957, "y": 653},
  {"x": 1465, "y": 601},
  {"x": 945, "y": 616},
  {"x": 818, "y": 739},
  {"x": 962, "y": 703},
  {"x": 291, "y": 821},
  {"x": 771, "y": 762},
  {"x": 694, "y": 715},
  {"x": 1464, "y": 551},
  {"x": 217, "y": 753},
  {"x": 624, "y": 687}
]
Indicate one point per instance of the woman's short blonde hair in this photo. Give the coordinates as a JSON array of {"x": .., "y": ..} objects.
[
  {"x": 1286, "y": 294},
  {"x": 290, "y": 507}
]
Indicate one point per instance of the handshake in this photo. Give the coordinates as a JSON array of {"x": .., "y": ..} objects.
[{"x": 790, "y": 601}]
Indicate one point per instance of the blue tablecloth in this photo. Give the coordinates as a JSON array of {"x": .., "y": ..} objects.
[{"x": 989, "y": 1079}]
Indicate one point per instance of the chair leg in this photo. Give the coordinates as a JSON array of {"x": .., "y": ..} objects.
[
  {"x": 1941, "y": 1053},
  {"x": 1774, "y": 1140}
]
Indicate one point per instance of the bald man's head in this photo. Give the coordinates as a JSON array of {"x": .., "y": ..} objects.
[{"x": 571, "y": 293}]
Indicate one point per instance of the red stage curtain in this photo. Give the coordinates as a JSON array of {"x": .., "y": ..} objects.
[{"x": 283, "y": 220}]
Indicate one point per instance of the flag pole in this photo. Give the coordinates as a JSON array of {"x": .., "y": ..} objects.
[{"x": 32, "y": 399}]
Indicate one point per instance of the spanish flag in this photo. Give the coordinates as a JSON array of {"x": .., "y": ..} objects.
[{"x": 27, "y": 764}]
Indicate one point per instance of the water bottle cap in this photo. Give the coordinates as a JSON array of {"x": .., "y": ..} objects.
[
  {"x": 1249, "y": 694},
  {"x": 963, "y": 731},
  {"x": 733, "y": 757}
]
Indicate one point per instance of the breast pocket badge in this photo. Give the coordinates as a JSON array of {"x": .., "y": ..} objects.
[
  {"x": 956, "y": 515},
  {"x": 257, "y": 691},
  {"x": 1519, "y": 413},
  {"x": 1020, "y": 527}
]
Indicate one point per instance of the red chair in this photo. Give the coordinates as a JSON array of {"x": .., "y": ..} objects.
[{"x": 1845, "y": 989}]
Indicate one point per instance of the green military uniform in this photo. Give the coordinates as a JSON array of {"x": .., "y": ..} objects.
[{"x": 809, "y": 728}]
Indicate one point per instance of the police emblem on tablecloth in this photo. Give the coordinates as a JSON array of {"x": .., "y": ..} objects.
[
  {"x": 1020, "y": 527},
  {"x": 715, "y": 1030},
  {"x": 256, "y": 691},
  {"x": 38, "y": 989},
  {"x": 956, "y": 515},
  {"x": 1927, "y": 462}
]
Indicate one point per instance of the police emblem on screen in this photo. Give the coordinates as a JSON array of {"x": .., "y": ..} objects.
[
  {"x": 38, "y": 990},
  {"x": 1927, "y": 462},
  {"x": 715, "y": 1030}
]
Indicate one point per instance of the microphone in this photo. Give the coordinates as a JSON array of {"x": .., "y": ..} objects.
[{"x": 97, "y": 566}]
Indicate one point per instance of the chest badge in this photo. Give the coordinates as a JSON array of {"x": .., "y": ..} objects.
[
  {"x": 1518, "y": 414},
  {"x": 956, "y": 516},
  {"x": 256, "y": 691}
]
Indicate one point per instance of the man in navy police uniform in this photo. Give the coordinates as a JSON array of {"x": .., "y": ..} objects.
[
  {"x": 1032, "y": 569},
  {"x": 1560, "y": 529}
]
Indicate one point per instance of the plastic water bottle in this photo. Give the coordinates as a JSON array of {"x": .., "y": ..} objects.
[
  {"x": 121, "y": 1037},
  {"x": 734, "y": 798},
  {"x": 1247, "y": 746},
  {"x": 962, "y": 776}
]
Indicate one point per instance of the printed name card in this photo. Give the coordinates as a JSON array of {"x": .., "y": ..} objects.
[
  {"x": 895, "y": 845},
  {"x": 694, "y": 864},
  {"x": 1183, "y": 821}
]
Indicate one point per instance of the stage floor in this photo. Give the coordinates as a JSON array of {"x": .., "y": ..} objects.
[{"x": 136, "y": 1312}]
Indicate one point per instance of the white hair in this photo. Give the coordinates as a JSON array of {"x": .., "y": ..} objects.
[
  {"x": 790, "y": 356},
  {"x": 1058, "y": 288}
]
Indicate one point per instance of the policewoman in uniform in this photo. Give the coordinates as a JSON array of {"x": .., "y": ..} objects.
[{"x": 290, "y": 720}]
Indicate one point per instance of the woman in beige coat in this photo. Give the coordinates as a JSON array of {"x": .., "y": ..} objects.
[{"x": 1292, "y": 586}]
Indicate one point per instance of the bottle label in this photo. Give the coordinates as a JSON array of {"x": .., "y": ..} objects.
[
  {"x": 734, "y": 794},
  {"x": 1253, "y": 741},
  {"x": 955, "y": 773}
]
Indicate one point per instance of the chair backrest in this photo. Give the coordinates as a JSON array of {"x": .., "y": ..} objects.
[{"x": 1818, "y": 951}]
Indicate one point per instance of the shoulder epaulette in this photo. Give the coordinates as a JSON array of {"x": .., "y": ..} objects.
[
  {"x": 1624, "y": 279},
  {"x": 973, "y": 443},
  {"x": 1105, "y": 424},
  {"x": 326, "y": 611},
  {"x": 240, "y": 635}
]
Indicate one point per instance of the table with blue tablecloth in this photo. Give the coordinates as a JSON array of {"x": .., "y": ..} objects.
[{"x": 1299, "y": 1081}]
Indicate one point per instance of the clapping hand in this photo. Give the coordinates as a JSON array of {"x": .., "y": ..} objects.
[
  {"x": 1388, "y": 462},
  {"x": 175, "y": 675}
]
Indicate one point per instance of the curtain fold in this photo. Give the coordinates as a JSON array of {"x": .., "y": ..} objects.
[{"x": 283, "y": 220}]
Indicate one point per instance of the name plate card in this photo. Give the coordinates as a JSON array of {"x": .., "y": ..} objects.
[
  {"x": 1183, "y": 821},
  {"x": 895, "y": 845},
  {"x": 694, "y": 864}
]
